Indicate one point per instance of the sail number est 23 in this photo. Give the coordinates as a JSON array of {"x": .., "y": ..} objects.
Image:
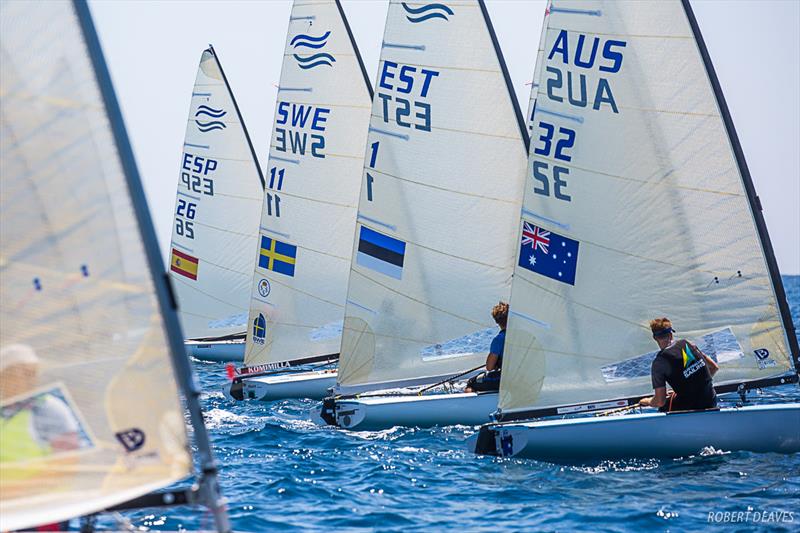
[
  {"x": 403, "y": 94},
  {"x": 556, "y": 141}
]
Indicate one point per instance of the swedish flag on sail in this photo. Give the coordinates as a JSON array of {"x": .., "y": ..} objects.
[{"x": 277, "y": 256}]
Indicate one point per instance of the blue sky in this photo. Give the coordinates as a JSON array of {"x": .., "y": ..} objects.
[{"x": 153, "y": 48}]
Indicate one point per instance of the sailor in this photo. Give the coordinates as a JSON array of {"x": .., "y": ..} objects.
[
  {"x": 34, "y": 424},
  {"x": 490, "y": 380},
  {"x": 687, "y": 370}
]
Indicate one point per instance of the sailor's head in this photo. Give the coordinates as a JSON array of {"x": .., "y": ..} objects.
[
  {"x": 19, "y": 370},
  {"x": 500, "y": 314},
  {"x": 662, "y": 331}
]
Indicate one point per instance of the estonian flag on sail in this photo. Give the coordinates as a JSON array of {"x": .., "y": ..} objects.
[
  {"x": 381, "y": 253},
  {"x": 548, "y": 253}
]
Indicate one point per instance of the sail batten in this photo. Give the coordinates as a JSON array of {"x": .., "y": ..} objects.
[
  {"x": 313, "y": 175},
  {"x": 637, "y": 206}
]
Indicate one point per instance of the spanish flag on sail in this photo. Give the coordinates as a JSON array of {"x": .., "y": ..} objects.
[{"x": 184, "y": 264}]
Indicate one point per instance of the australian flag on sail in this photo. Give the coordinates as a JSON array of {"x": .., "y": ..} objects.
[
  {"x": 381, "y": 253},
  {"x": 548, "y": 253}
]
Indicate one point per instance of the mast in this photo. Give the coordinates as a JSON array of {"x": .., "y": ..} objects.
[
  {"x": 209, "y": 488},
  {"x": 355, "y": 49},
  {"x": 526, "y": 138},
  {"x": 755, "y": 203},
  {"x": 239, "y": 114}
]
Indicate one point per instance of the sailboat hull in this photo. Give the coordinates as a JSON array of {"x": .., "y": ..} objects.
[
  {"x": 216, "y": 351},
  {"x": 295, "y": 385},
  {"x": 381, "y": 412},
  {"x": 766, "y": 428}
]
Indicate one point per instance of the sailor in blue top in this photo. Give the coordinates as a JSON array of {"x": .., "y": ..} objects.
[{"x": 490, "y": 380}]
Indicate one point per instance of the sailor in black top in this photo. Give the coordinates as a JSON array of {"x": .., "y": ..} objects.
[{"x": 687, "y": 370}]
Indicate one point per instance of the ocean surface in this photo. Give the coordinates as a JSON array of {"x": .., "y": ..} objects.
[{"x": 281, "y": 472}]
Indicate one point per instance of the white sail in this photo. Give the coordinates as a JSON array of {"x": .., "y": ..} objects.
[
  {"x": 442, "y": 184},
  {"x": 313, "y": 179},
  {"x": 216, "y": 210},
  {"x": 635, "y": 208},
  {"x": 82, "y": 336}
]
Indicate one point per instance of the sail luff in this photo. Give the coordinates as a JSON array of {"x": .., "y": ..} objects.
[
  {"x": 166, "y": 301},
  {"x": 239, "y": 114},
  {"x": 754, "y": 202}
]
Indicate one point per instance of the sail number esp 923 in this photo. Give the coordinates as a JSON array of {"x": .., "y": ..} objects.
[{"x": 197, "y": 177}]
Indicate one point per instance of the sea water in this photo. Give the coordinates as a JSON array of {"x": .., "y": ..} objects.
[{"x": 281, "y": 472}]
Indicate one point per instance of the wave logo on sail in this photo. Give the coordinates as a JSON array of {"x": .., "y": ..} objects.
[
  {"x": 427, "y": 12},
  {"x": 313, "y": 60},
  {"x": 208, "y": 119}
]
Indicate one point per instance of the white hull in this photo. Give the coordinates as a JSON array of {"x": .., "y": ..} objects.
[
  {"x": 216, "y": 351},
  {"x": 292, "y": 385},
  {"x": 381, "y": 412},
  {"x": 767, "y": 428}
]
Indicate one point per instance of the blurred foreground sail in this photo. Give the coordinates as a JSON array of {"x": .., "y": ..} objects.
[
  {"x": 86, "y": 324},
  {"x": 220, "y": 188}
]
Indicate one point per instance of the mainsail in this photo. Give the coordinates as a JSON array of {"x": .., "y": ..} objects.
[
  {"x": 441, "y": 191},
  {"x": 220, "y": 188},
  {"x": 309, "y": 211},
  {"x": 638, "y": 205},
  {"x": 85, "y": 325}
]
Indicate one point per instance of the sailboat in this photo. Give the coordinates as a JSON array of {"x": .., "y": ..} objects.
[
  {"x": 87, "y": 321},
  {"x": 642, "y": 206},
  {"x": 219, "y": 194},
  {"x": 433, "y": 253},
  {"x": 299, "y": 282}
]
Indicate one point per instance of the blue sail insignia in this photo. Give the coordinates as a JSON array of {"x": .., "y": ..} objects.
[
  {"x": 204, "y": 118},
  {"x": 427, "y": 12},
  {"x": 306, "y": 62}
]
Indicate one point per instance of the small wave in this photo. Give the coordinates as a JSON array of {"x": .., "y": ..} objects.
[
  {"x": 302, "y": 38},
  {"x": 427, "y": 12},
  {"x": 210, "y": 126},
  {"x": 307, "y": 62},
  {"x": 210, "y": 111}
]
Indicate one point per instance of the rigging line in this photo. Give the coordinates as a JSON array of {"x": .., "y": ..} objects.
[
  {"x": 514, "y": 201},
  {"x": 584, "y": 30},
  {"x": 236, "y": 197},
  {"x": 295, "y": 289},
  {"x": 359, "y": 156},
  {"x": 329, "y": 104},
  {"x": 281, "y": 192},
  {"x": 429, "y": 306},
  {"x": 579, "y": 304},
  {"x": 192, "y": 287},
  {"x": 461, "y": 258},
  {"x": 223, "y": 230},
  {"x": 640, "y": 180},
  {"x": 247, "y": 275},
  {"x": 514, "y": 138}
]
